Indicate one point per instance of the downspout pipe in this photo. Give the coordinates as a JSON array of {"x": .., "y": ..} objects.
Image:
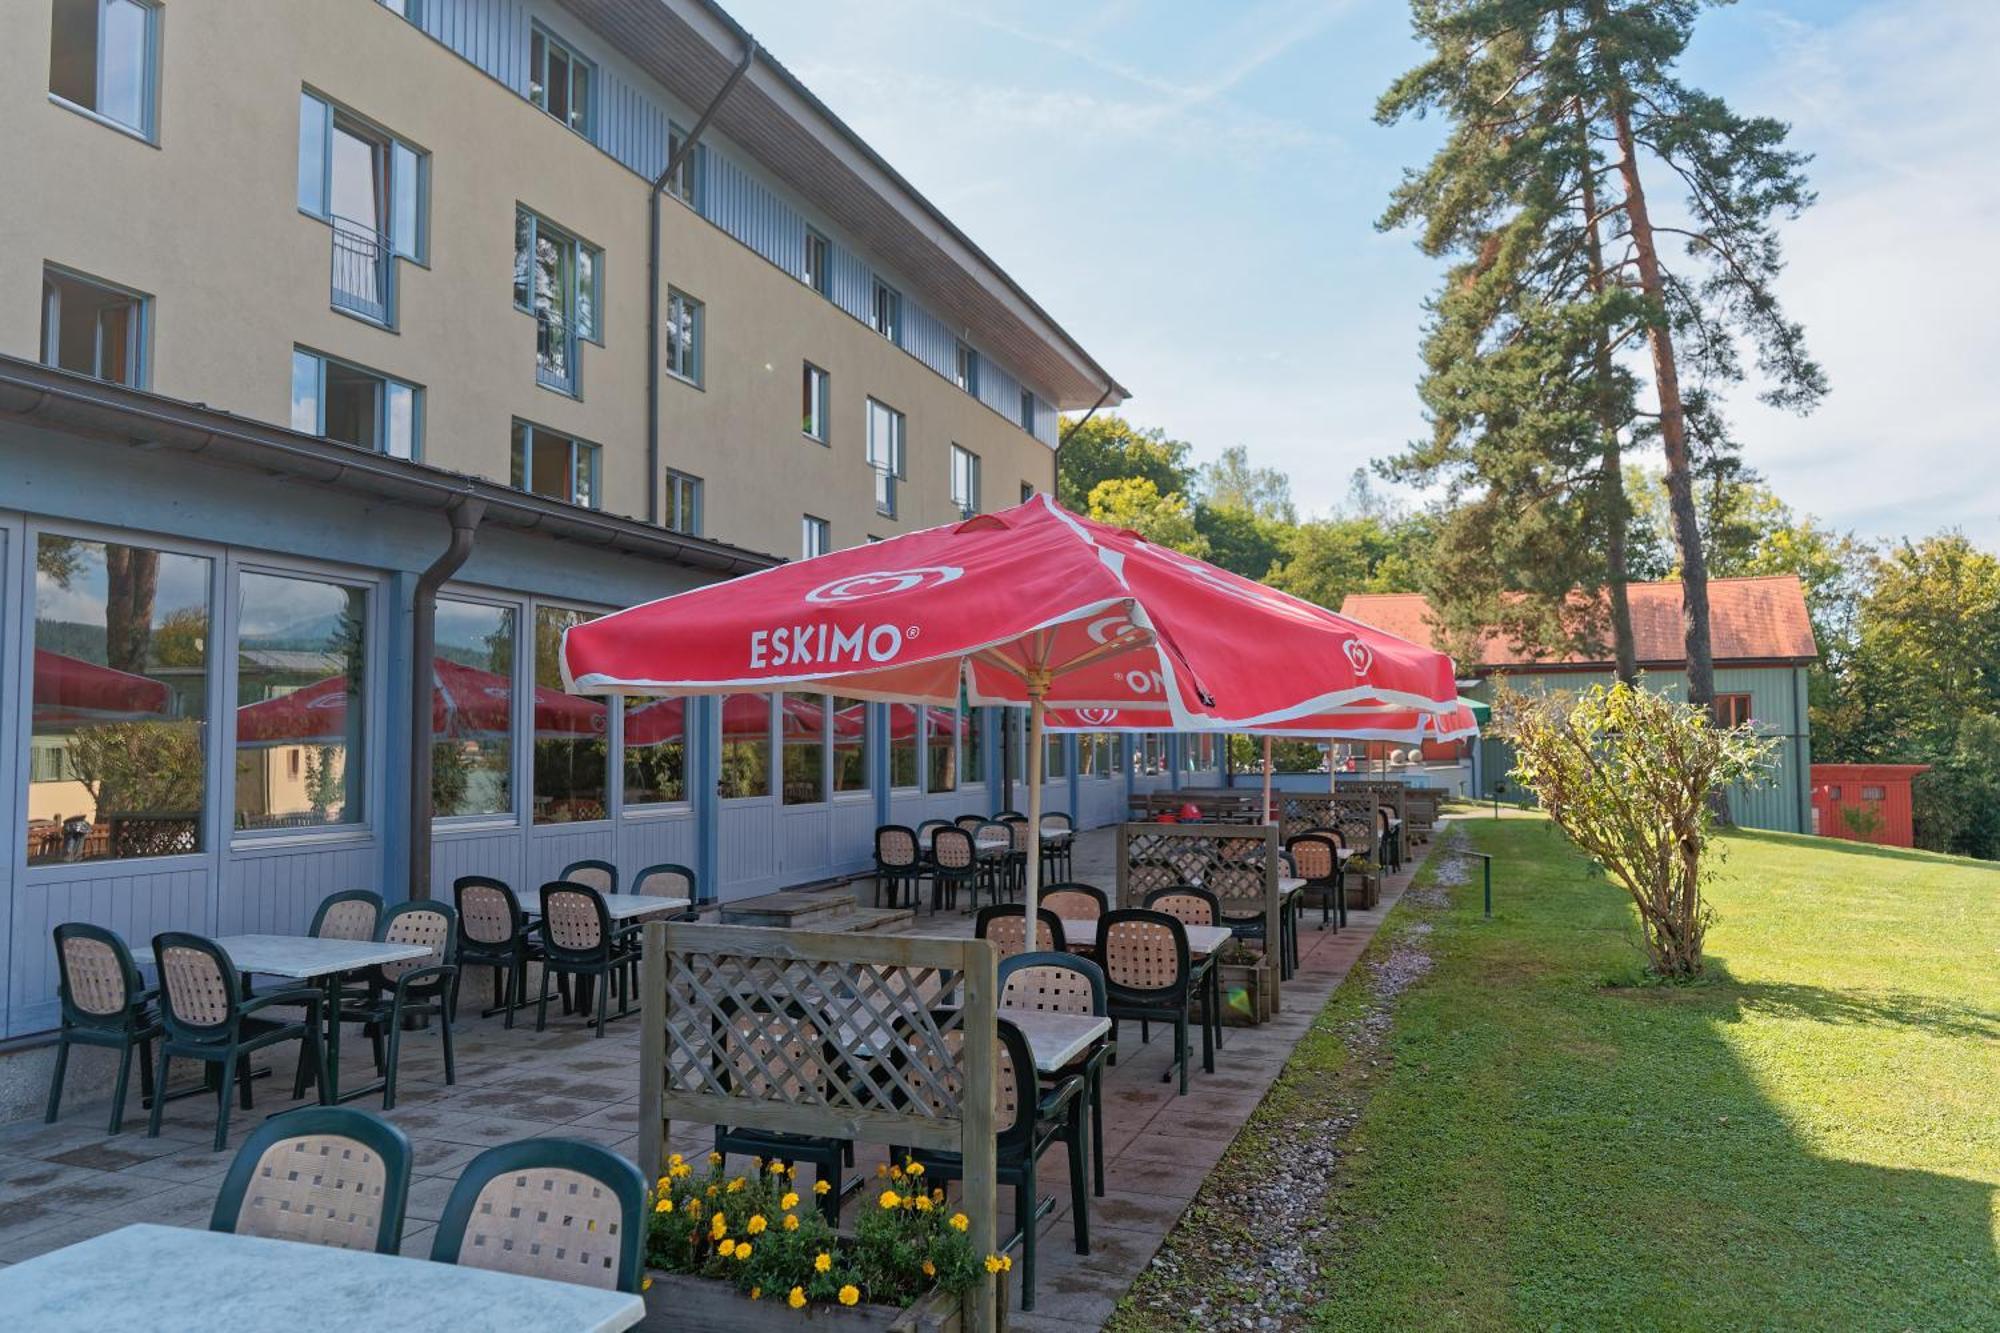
[
  {"x": 465, "y": 514},
  {"x": 675, "y": 161}
]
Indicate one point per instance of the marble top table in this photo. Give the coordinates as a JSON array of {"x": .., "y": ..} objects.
[
  {"x": 1056, "y": 1039},
  {"x": 625, "y": 906},
  {"x": 177, "y": 1280},
  {"x": 987, "y": 846},
  {"x": 1202, "y": 940},
  {"x": 303, "y": 957}
]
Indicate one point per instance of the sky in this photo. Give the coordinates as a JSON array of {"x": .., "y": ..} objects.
[{"x": 1191, "y": 189}]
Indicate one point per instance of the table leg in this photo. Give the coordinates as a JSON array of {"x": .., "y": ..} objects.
[{"x": 330, "y": 1072}]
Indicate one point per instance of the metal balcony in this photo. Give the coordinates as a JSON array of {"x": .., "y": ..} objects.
[{"x": 361, "y": 270}]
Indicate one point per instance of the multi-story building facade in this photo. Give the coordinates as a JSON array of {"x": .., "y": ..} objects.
[{"x": 343, "y": 337}]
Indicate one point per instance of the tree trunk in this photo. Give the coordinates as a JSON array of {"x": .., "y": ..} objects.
[
  {"x": 1673, "y": 421},
  {"x": 1611, "y": 488}
]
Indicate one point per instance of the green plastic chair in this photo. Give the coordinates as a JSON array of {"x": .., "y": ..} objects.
[
  {"x": 324, "y": 1175},
  {"x": 105, "y": 1002},
  {"x": 550, "y": 1208}
]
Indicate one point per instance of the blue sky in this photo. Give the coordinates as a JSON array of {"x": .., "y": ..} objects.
[{"x": 1190, "y": 188}]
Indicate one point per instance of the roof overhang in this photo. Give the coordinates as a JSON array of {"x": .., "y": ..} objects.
[
  {"x": 692, "y": 46},
  {"x": 43, "y": 395}
]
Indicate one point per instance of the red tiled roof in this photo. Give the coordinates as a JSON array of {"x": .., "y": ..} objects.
[{"x": 1750, "y": 620}]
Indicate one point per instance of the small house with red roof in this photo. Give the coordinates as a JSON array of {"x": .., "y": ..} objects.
[{"x": 1762, "y": 641}]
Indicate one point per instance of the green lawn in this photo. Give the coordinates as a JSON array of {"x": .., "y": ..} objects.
[{"x": 1811, "y": 1139}]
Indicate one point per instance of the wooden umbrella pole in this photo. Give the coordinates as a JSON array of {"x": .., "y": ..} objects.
[{"x": 1265, "y": 818}]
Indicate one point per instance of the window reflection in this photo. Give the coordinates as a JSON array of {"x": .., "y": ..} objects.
[
  {"x": 942, "y": 749},
  {"x": 572, "y": 735},
  {"x": 120, "y": 697},
  {"x": 746, "y": 745},
  {"x": 850, "y": 745},
  {"x": 903, "y": 745},
  {"x": 655, "y": 751},
  {"x": 472, "y": 710},
  {"x": 805, "y": 718},
  {"x": 300, "y": 715}
]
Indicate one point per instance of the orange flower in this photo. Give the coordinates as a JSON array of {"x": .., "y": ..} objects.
[
  {"x": 797, "y": 1300},
  {"x": 822, "y": 1186},
  {"x": 756, "y": 1225},
  {"x": 822, "y": 1261},
  {"x": 850, "y": 1295},
  {"x": 791, "y": 1222}
]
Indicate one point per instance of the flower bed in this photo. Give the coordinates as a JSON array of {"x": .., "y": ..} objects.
[{"x": 750, "y": 1251}]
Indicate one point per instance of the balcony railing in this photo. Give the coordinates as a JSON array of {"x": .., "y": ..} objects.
[
  {"x": 555, "y": 353},
  {"x": 360, "y": 270}
]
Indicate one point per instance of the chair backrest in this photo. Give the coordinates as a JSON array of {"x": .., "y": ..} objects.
[
  {"x": 1009, "y": 816},
  {"x": 930, "y": 826},
  {"x": 971, "y": 823},
  {"x": 1016, "y": 1089},
  {"x": 599, "y": 875},
  {"x": 433, "y": 925},
  {"x": 1005, "y": 926},
  {"x": 1055, "y": 983},
  {"x": 1022, "y": 832},
  {"x": 1142, "y": 952},
  {"x": 324, "y": 1175},
  {"x": 1055, "y": 821},
  {"x": 550, "y": 1208},
  {"x": 1187, "y": 904},
  {"x": 574, "y": 920},
  {"x": 896, "y": 847},
  {"x": 992, "y": 830},
  {"x": 488, "y": 911},
  {"x": 98, "y": 977},
  {"x": 668, "y": 879},
  {"x": 1073, "y": 901},
  {"x": 952, "y": 849},
  {"x": 1315, "y": 855},
  {"x": 351, "y": 914},
  {"x": 198, "y": 986}
]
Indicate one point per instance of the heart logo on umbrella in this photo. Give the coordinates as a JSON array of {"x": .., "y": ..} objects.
[
  {"x": 1097, "y": 717},
  {"x": 1360, "y": 656},
  {"x": 884, "y": 583}
]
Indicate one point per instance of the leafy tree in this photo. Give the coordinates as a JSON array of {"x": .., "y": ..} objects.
[
  {"x": 1957, "y": 803},
  {"x": 1136, "y": 503},
  {"x": 1107, "y": 448},
  {"x": 1230, "y": 482},
  {"x": 1325, "y": 559},
  {"x": 1239, "y": 540}
]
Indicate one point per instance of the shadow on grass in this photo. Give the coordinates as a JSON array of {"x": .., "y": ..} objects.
[{"x": 1881, "y": 1009}]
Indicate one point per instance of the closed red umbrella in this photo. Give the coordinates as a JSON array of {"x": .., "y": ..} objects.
[{"x": 1033, "y": 605}]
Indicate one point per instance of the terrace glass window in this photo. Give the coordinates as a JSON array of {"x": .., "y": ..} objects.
[
  {"x": 850, "y": 746},
  {"x": 557, "y": 279},
  {"x": 301, "y": 701},
  {"x": 104, "y": 60},
  {"x": 1055, "y": 757},
  {"x": 357, "y": 406},
  {"x": 904, "y": 746},
  {"x": 558, "y": 466},
  {"x": 746, "y": 746},
  {"x": 805, "y": 735},
  {"x": 941, "y": 749},
  {"x": 656, "y": 751},
  {"x": 572, "y": 732},
  {"x": 560, "y": 81},
  {"x": 117, "y": 731},
  {"x": 472, "y": 710},
  {"x": 683, "y": 512},
  {"x": 93, "y": 328},
  {"x": 886, "y": 457}
]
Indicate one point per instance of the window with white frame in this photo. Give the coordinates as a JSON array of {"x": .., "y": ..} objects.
[
  {"x": 886, "y": 454},
  {"x": 559, "y": 280},
  {"x": 683, "y": 512},
  {"x": 572, "y": 733},
  {"x": 93, "y": 328},
  {"x": 968, "y": 370},
  {"x": 555, "y": 465},
  {"x": 888, "y": 313},
  {"x": 104, "y": 60},
  {"x": 818, "y": 273},
  {"x": 560, "y": 81},
  {"x": 355, "y": 405},
  {"x": 964, "y": 481},
  {"x": 685, "y": 183},
  {"x": 472, "y": 766},
  {"x": 814, "y": 385},
  {"x": 684, "y": 337},
  {"x": 301, "y": 701},
  {"x": 368, "y": 186},
  {"x": 815, "y": 537}
]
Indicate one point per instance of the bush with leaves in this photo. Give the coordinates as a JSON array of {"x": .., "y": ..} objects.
[{"x": 1627, "y": 774}]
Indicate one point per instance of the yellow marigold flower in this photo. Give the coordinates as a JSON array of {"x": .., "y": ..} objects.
[
  {"x": 664, "y": 1206},
  {"x": 662, "y": 1183},
  {"x": 822, "y": 1186},
  {"x": 727, "y": 1248},
  {"x": 922, "y": 1202},
  {"x": 777, "y": 1168},
  {"x": 998, "y": 1263},
  {"x": 756, "y": 1293},
  {"x": 850, "y": 1295},
  {"x": 680, "y": 1171},
  {"x": 790, "y": 1201},
  {"x": 675, "y": 1159},
  {"x": 791, "y": 1222},
  {"x": 916, "y": 1168},
  {"x": 797, "y": 1300},
  {"x": 743, "y": 1249},
  {"x": 930, "y": 1269},
  {"x": 959, "y": 1221},
  {"x": 937, "y": 1196},
  {"x": 645, "y": 1284},
  {"x": 756, "y": 1164},
  {"x": 715, "y": 1159},
  {"x": 736, "y": 1185},
  {"x": 881, "y": 1170},
  {"x": 890, "y": 1198},
  {"x": 895, "y": 1173},
  {"x": 709, "y": 1192},
  {"x": 791, "y": 1172},
  {"x": 721, "y": 1227},
  {"x": 757, "y": 1224},
  {"x": 822, "y": 1261}
]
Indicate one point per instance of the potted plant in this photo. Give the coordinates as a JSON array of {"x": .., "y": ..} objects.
[
  {"x": 750, "y": 1251},
  {"x": 1248, "y": 985},
  {"x": 1362, "y": 885}
]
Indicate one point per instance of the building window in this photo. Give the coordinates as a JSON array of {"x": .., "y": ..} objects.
[
  {"x": 888, "y": 320},
  {"x": 656, "y": 752},
  {"x": 1055, "y": 758},
  {"x": 746, "y": 746},
  {"x": 572, "y": 732},
  {"x": 1028, "y": 410},
  {"x": 904, "y": 743},
  {"x": 685, "y": 183},
  {"x": 818, "y": 274},
  {"x": 684, "y": 337},
  {"x": 815, "y": 537},
  {"x": 472, "y": 710},
  {"x": 560, "y": 81},
  {"x": 413, "y": 10},
  {"x": 850, "y": 746},
  {"x": 1027, "y": 491},
  {"x": 964, "y": 481},
  {"x": 805, "y": 726},
  {"x": 555, "y": 465},
  {"x": 301, "y": 701},
  {"x": 1732, "y": 710},
  {"x": 972, "y": 736},
  {"x": 357, "y": 406},
  {"x": 369, "y": 187},
  {"x": 968, "y": 370},
  {"x": 942, "y": 749},
  {"x": 104, "y": 60},
  {"x": 559, "y": 280},
  {"x": 93, "y": 328},
  {"x": 1874, "y": 793},
  {"x": 120, "y": 698},
  {"x": 886, "y": 454},
  {"x": 683, "y": 503},
  {"x": 815, "y": 386}
]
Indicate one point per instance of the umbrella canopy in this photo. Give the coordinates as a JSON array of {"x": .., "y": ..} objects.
[
  {"x": 468, "y": 704},
  {"x": 71, "y": 690},
  {"x": 1031, "y": 605},
  {"x": 744, "y": 717},
  {"x": 1407, "y": 725}
]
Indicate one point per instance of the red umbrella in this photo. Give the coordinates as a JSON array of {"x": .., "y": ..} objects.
[
  {"x": 1031, "y": 605},
  {"x": 744, "y": 717},
  {"x": 468, "y": 704},
  {"x": 69, "y": 690}
]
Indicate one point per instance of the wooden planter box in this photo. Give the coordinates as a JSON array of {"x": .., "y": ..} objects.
[
  {"x": 1249, "y": 992},
  {"x": 1363, "y": 891},
  {"x": 677, "y": 1302}
]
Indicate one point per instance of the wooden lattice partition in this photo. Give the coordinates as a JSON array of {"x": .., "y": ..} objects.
[
  {"x": 888, "y": 1039},
  {"x": 1238, "y": 863}
]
